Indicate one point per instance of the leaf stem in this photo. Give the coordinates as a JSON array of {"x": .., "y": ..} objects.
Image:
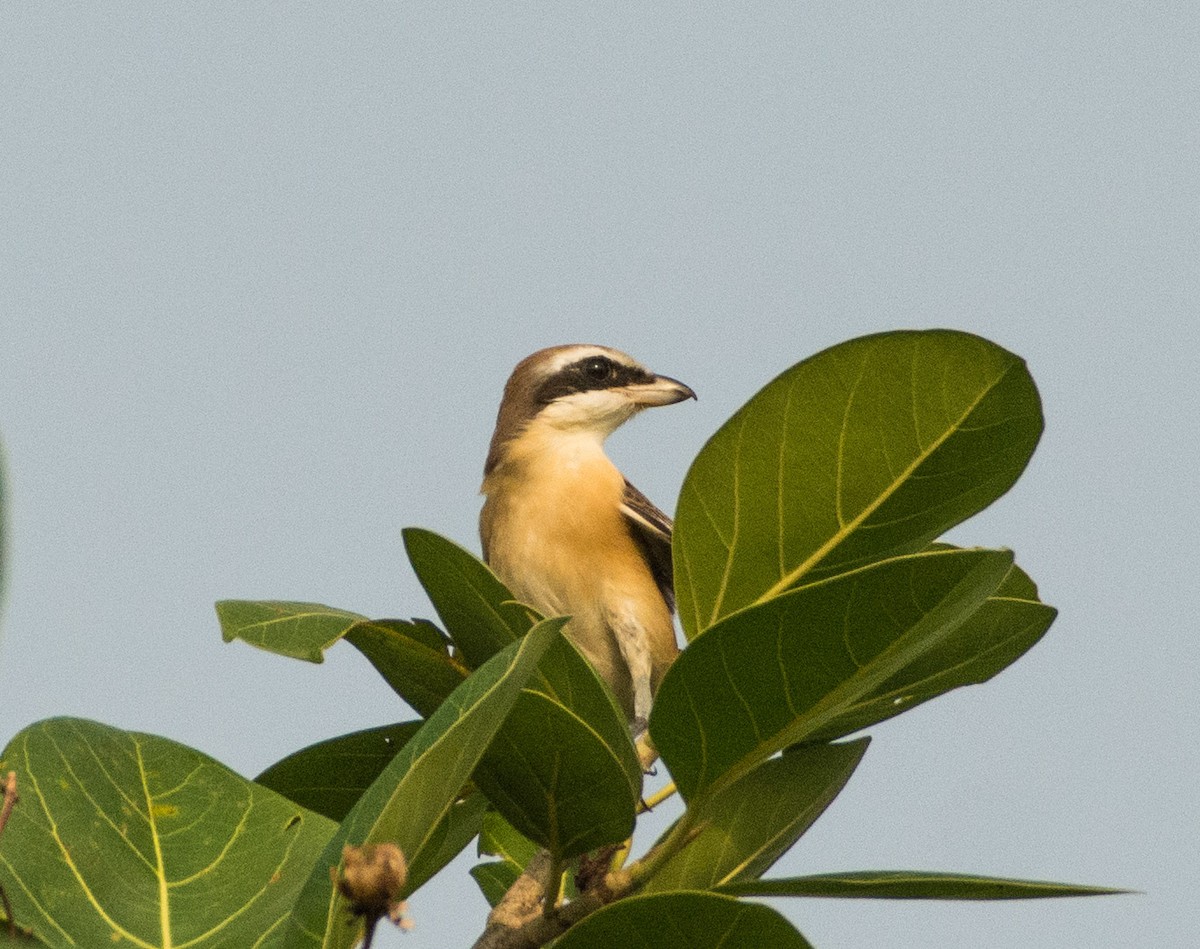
[
  {"x": 10, "y": 798},
  {"x": 648, "y": 804},
  {"x": 553, "y": 885},
  {"x": 10, "y": 801},
  {"x": 678, "y": 837}
]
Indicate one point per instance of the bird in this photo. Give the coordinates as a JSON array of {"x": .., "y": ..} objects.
[{"x": 565, "y": 531}]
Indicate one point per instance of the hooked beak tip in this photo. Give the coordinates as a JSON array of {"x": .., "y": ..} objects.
[{"x": 662, "y": 391}]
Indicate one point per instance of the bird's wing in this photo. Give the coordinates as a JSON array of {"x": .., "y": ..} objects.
[{"x": 651, "y": 528}]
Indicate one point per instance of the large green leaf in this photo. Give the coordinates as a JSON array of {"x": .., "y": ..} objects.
[
  {"x": 299, "y": 630},
  {"x": 127, "y": 838},
  {"x": 408, "y": 801},
  {"x": 563, "y": 769},
  {"x": 557, "y": 781},
  {"x": 1002, "y": 630},
  {"x": 498, "y": 838},
  {"x": 778, "y": 673},
  {"x": 477, "y": 610},
  {"x": 330, "y": 776},
  {"x": 683, "y": 920},
  {"x": 913, "y": 885},
  {"x": 749, "y": 825},
  {"x": 867, "y": 450}
]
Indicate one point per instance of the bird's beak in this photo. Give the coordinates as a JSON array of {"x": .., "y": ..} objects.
[{"x": 662, "y": 390}]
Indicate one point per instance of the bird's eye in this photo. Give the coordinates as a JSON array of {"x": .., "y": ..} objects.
[{"x": 598, "y": 368}]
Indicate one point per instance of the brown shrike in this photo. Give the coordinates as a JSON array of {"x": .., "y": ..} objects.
[{"x": 563, "y": 528}]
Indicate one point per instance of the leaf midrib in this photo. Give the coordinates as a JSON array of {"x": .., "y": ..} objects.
[{"x": 164, "y": 905}]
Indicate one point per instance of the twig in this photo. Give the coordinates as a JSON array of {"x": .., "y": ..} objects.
[
  {"x": 10, "y": 798},
  {"x": 521, "y": 902},
  {"x": 648, "y": 804},
  {"x": 538, "y": 929},
  {"x": 518, "y": 921},
  {"x": 10, "y": 801}
]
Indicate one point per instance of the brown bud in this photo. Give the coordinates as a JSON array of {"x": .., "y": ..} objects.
[{"x": 372, "y": 879}]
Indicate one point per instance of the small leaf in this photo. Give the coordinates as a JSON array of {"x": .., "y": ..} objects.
[
  {"x": 477, "y": 609},
  {"x": 420, "y": 673},
  {"x": 406, "y": 804},
  {"x": 779, "y": 673},
  {"x": 298, "y": 630},
  {"x": 865, "y": 451},
  {"x": 494, "y": 879},
  {"x": 411, "y": 655},
  {"x": 498, "y": 838},
  {"x": 131, "y": 838},
  {"x": 683, "y": 920},
  {"x": 753, "y": 822},
  {"x": 330, "y": 776},
  {"x": 913, "y": 885}
]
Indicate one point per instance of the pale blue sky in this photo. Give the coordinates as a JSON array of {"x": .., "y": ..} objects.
[{"x": 265, "y": 269}]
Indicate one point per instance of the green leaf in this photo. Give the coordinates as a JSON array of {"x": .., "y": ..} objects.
[
  {"x": 913, "y": 885},
  {"x": 416, "y": 667},
  {"x": 563, "y": 770},
  {"x": 683, "y": 920},
  {"x": 330, "y": 776},
  {"x": 422, "y": 631},
  {"x": 459, "y": 826},
  {"x": 407, "y": 802},
  {"x": 1002, "y": 630},
  {"x": 411, "y": 655},
  {"x": 865, "y": 451},
  {"x": 477, "y": 610},
  {"x": 568, "y": 678},
  {"x": 299, "y": 630},
  {"x": 498, "y": 838},
  {"x": 550, "y": 775},
  {"x": 778, "y": 673},
  {"x": 131, "y": 838},
  {"x": 754, "y": 821},
  {"x": 494, "y": 879}
]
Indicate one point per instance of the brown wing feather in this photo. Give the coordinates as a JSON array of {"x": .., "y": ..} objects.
[{"x": 651, "y": 528}]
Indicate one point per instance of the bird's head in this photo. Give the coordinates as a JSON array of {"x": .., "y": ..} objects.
[{"x": 579, "y": 388}]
